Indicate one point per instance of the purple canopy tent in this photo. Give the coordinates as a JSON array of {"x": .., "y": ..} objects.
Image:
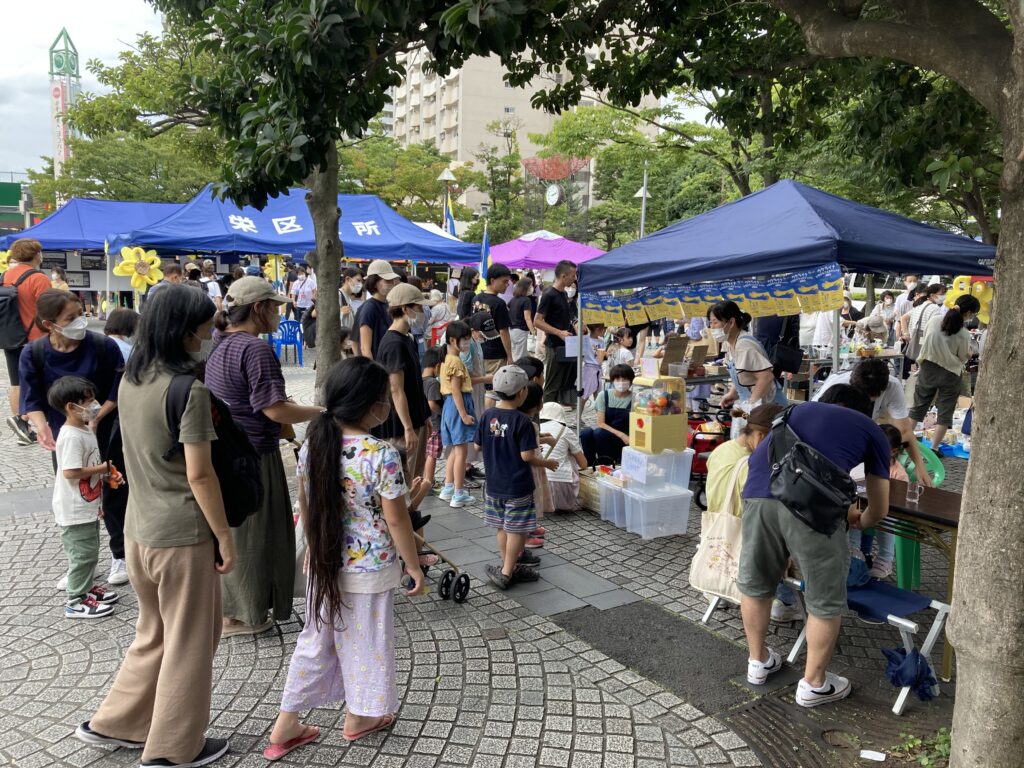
[{"x": 541, "y": 250}]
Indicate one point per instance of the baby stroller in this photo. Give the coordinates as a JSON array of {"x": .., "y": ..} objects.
[{"x": 703, "y": 440}]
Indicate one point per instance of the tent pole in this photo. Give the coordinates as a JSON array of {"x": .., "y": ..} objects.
[
  {"x": 579, "y": 367},
  {"x": 836, "y": 328},
  {"x": 106, "y": 297}
]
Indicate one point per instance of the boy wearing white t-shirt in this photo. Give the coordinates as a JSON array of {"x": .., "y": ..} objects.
[{"x": 76, "y": 496}]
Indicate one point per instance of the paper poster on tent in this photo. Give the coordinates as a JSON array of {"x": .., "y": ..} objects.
[
  {"x": 710, "y": 293},
  {"x": 692, "y": 301},
  {"x": 735, "y": 290},
  {"x": 819, "y": 289},
  {"x": 784, "y": 295},
  {"x": 633, "y": 309},
  {"x": 759, "y": 301},
  {"x": 593, "y": 311},
  {"x": 613, "y": 316}
]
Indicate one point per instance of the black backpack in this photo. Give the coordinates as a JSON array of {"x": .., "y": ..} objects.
[
  {"x": 809, "y": 484},
  {"x": 234, "y": 459},
  {"x": 13, "y": 333}
]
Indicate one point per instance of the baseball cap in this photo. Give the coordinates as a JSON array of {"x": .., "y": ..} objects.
[
  {"x": 436, "y": 296},
  {"x": 207, "y": 263},
  {"x": 249, "y": 290},
  {"x": 498, "y": 270},
  {"x": 508, "y": 380},
  {"x": 381, "y": 268},
  {"x": 531, "y": 368},
  {"x": 403, "y": 294},
  {"x": 484, "y": 323},
  {"x": 252, "y": 269}
]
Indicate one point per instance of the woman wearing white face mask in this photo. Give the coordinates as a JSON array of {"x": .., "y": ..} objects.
[
  {"x": 603, "y": 444},
  {"x": 351, "y": 296},
  {"x": 68, "y": 349},
  {"x": 243, "y": 371},
  {"x": 886, "y": 309},
  {"x": 750, "y": 370}
]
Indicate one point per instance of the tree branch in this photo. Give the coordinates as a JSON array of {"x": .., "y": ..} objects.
[{"x": 978, "y": 60}]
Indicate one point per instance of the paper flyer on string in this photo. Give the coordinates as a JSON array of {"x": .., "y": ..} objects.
[
  {"x": 782, "y": 291},
  {"x": 633, "y": 309},
  {"x": 819, "y": 289},
  {"x": 613, "y": 316},
  {"x": 593, "y": 310}
]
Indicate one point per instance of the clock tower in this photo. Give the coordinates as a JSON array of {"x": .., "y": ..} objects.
[{"x": 65, "y": 85}]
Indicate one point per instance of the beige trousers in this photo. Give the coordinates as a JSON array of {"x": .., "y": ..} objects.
[{"x": 162, "y": 692}]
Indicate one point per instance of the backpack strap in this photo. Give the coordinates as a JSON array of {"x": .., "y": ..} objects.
[
  {"x": 174, "y": 409},
  {"x": 39, "y": 359},
  {"x": 25, "y": 275},
  {"x": 783, "y": 436}
]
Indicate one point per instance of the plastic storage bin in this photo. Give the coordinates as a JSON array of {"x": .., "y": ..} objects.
[
  {"x": 662, "y": 513},
  {"x": 654, "y": 471},
  {"x": 613, "y": 503}
]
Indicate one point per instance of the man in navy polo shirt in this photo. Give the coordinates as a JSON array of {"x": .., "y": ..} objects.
[{"x": 845, "y": 434}]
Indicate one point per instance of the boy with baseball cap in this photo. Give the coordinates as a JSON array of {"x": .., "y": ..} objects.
[{"x": 508, "y": 442}]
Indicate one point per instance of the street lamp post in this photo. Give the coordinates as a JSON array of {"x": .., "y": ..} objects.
[
  {"x": 642, "y": 194},
  {"x": 447, "y": 177}
]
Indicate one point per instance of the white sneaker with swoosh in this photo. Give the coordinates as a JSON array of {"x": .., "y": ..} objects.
[
  {"x": 833, "y": 689},
  {"x": 758, "y": 671}
]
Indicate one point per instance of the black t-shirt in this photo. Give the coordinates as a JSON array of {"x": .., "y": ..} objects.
[
  {"x": 398, "y": 353},
  {"x": 503, "y": 434},
  {"x": 494, "y": 349},
  {"x": 517, "y": 309},
  {"x": 374, "y": 313},
  {"x": 464, "y": 304},
  {"x": 554, "y": 305}
]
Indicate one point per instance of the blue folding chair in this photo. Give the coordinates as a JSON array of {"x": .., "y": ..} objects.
[
  {"x": 887, "y": 604},
  {"x": 289, "y": 334}
]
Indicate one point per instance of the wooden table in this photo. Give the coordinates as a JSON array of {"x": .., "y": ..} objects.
[{"x": 935, "y": 514}]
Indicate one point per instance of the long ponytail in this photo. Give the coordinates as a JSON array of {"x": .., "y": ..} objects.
[
  {"x": 353, "y": 386},
  {"x": 953, "y": 322}
]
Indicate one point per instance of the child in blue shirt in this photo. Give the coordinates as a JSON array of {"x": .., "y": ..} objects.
[{"x": 508, "y": 441}]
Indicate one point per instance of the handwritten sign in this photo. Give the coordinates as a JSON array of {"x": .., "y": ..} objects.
[{"x": 634, "y": 465}]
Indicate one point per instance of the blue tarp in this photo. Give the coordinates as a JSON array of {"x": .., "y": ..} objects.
[
  {"x": 82, "y": 224},
  {"x": 369, "y": 229},
  {"x": 783, "y": 228}
]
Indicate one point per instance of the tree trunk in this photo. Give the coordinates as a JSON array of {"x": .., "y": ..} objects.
[
  {"x": 322, "y": 200},
  {"x": 987, "y": 619},
  {"x": 770, "y": 173}
]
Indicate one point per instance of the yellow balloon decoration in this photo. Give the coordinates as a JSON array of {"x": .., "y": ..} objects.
[
  {"x": 3, "y": 261},
  {"x": 143, "y": 267},
  {"x": 961, "y": 285},
  {"x": 983, "y": 292}
]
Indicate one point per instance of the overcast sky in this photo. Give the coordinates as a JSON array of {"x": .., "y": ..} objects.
[{"x": 100, "y": 29}]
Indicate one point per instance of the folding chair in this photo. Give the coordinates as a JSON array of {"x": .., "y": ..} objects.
[{"x": 882, "y": 602}]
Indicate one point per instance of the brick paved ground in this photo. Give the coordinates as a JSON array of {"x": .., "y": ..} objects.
[{"x": 486, "y": 683}]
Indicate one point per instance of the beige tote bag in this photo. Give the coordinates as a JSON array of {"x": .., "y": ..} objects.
[{"x": 716, "y": 565}]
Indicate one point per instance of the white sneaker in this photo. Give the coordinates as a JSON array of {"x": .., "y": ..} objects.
[
  {"x": 758, "y": 671},
  {"x": 833, "y": 689},
  {"x": 118, "y": 572},
  {"x": 783, "y": 613}
]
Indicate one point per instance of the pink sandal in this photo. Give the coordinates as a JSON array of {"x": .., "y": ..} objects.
[
  {"x": 386, "y": 721},
  {"x": 277, "y": 751}
]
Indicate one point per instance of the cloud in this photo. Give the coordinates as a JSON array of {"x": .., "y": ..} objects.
[{"x": 100, "y": 29}]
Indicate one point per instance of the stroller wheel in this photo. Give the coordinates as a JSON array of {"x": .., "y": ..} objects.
[
  {"x": 701, "y": 497},
  {"x": 444, "y": 587},
  {"x": 461, "y": 589}
]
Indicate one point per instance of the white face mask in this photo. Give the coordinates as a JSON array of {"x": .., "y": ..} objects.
[
  {"x": 54, "y": 277},
  {"x": 89, "y": 412},
  {"x": 464, "y": 346},
  {"x": 357, "y": 287},
  {"x": 205, "y": 348},
  {"x": 888, "y": 302},
  {"x": 570, "y": 291},
  {"x": 940, "y": 299},
  {"x": 75, "y": 330},
  {"x": 621, "y": 386},
  {"x": 719, "y": 334}
]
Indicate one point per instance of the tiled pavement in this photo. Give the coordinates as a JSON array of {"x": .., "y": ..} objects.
[{"x": 489, "y": 682}]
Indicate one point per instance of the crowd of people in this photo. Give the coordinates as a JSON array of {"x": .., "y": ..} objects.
[{"x": 424, "y": 377}]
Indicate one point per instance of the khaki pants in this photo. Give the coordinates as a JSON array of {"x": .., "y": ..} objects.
[
  {"x": 412, "y": 465},
  {"x": 162, "y": 692},
  {"x": 491, "y": 366}
]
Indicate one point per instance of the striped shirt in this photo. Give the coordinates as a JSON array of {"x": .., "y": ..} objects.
[{"x": 244, "y": 372}]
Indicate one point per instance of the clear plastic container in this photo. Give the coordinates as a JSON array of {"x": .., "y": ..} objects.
[
  {"x": 613, "y": 503},
  {"x": 654, "y": 471},
  {"x": 662, "y": 513}
]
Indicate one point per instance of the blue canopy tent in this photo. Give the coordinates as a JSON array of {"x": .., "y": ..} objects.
[
  {"x": 82, "y": 224},
  {"x": 369, "y": 230},
  {"x": 784, "y": 228}
]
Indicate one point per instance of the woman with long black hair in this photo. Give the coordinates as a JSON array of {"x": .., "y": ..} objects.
[
  {"x": 352, "y": 498},
  {"x": 177, "y": 543},
  {"x": 467, "y": 290}
]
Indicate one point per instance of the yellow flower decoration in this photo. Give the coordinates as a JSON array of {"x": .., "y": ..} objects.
[
  {"x": 143, "y": 267},
  {"x": 3, "y": 261}
]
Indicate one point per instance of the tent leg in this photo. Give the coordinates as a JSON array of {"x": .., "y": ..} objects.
[
  {"x": 837, "y": 323},
  {"x": 579, "y": 372}
]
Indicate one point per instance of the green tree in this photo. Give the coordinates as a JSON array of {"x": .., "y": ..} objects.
[
  {"x": 124, "y": 166},
  {"x": 502, "y": 180}
]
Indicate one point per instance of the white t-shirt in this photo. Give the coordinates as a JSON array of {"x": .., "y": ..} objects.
[
  {"x": 568, "y": 445},
  {"x": 302, "y": 290},
  {"x": 892, "y": 403},
  {"x": 620, "y": 356},
  {"x": 748, "y": 356},
  {"x": 76, "y": 501},
  {"x": 212, "y": 286}
]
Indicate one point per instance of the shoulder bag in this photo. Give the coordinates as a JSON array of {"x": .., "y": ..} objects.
[
  {"x": 716, "y": 564},
  {"x": 808, "y": 483}
]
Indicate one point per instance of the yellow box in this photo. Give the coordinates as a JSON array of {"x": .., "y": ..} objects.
[{"x": 654, "y": 434}]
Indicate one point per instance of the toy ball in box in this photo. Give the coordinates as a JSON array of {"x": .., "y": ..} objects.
[{"x": 657, "y": 401}]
